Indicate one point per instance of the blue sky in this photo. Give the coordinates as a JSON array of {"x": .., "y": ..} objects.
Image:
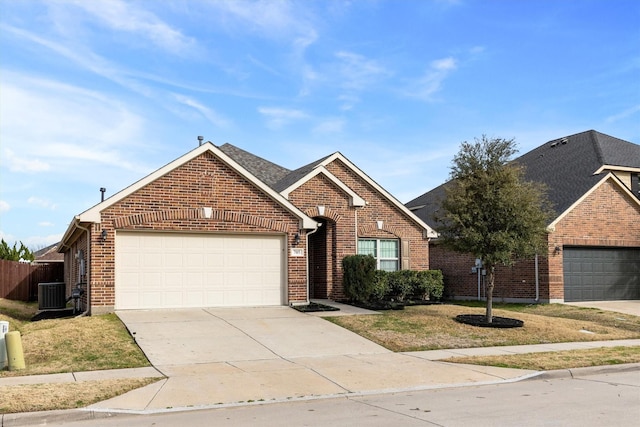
[{"x": 101, "y": 93}]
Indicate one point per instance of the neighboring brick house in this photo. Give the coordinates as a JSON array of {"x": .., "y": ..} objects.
[
  {"x": 222, "y": 227},
  {"x": 593, "y": 241}
]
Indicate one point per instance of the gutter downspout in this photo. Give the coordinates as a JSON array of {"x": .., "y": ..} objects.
[
  {"x": 88, "y": 269},
  {"x": 318, "y": 225},
  {"x": 537, "y": 280}
]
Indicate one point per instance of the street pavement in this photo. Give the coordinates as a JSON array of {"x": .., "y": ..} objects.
[
  {"x": 585, "y": 397},
  {"x": 216, "y": 358}
]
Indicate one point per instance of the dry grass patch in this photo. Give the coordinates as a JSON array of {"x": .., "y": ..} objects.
[
  {"x": 48, "y": 397},
  {"x": 548, "y": 361},
  {"x": 67, "y": 345},
  {"x": 433, "y": 326}
]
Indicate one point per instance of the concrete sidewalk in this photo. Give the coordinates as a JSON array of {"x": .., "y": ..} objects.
[{"x": 277, "y": 355}]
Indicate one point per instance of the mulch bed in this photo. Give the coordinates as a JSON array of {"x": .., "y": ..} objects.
[
  {"x": 481, "y": 321},
  {"x": 313, "y": 307},
  {"x": 54, "y": 314}
]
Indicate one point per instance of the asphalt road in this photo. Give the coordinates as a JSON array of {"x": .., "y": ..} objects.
[{"x": 605, "y": 399}]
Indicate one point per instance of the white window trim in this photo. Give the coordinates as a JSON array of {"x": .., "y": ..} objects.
[{"x": 377, "y": 255}]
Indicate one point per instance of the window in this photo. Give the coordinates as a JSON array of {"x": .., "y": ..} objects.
[{"x": 385, "y": 251}]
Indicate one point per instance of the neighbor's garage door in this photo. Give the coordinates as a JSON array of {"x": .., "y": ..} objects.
[
  {"x": 599, "y": 274},
  {"x": 171, "y": 270}
]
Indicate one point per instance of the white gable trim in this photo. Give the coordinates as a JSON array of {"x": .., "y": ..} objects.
[
  {"x": 93, "y": 215},
  {"x": 428, "y": 231},
  {"x": 608, "y": 176},
  {"x": 616, "y": 168},
  {"x": 354, "y": 199}
]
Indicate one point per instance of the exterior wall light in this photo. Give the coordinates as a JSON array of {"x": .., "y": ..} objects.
[
  {"x": 103, "y": 235},
  {"x": 296, "y": 239},
  {"x": 557, "y": 250}
]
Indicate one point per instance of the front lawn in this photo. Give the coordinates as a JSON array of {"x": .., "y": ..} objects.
[
  {"x": 72, "y": 344},
  {"x": 431, "y": 327},
  {"x": 68, "y": 345}
]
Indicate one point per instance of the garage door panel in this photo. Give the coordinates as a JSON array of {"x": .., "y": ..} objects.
[
  {"x": 163, "y": 270},
  {"x": 593, "y": 274}
]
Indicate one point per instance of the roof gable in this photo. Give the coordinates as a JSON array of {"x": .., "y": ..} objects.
[
  {"x": 607, "y": 177},
  {"x": 354, "y": 199},
  {"x": 93, "y": 215},
  {"x": 570, "y": 167},
  {"x": 290, "y": 180},
  {"x": 429, "y": 232}
]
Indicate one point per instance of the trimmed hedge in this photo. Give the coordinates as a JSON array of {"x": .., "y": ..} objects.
[
  {"x": 358, "y": 279},
  {"x": 364, "y": 284}
]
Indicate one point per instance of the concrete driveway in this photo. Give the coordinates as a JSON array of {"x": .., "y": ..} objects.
[
  {"x": 627, "y": 306},
  {"x": 230, "y": 356},
  {"x": 211, "y": 335}
]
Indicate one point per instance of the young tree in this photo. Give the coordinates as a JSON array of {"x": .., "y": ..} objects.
[
  {"x": 489, "y": 209},
  {"x": 14, "y": 253}
]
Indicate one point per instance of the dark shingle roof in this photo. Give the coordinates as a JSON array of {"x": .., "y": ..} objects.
[
  {"x": 274, "y": 176},
  {"x": 296, "y": 175},
  {"x": 264, "y": 170},
  {"x": 566, "y": 166}
]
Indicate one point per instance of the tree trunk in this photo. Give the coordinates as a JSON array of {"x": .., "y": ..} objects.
[{"x": 490, "y": 276}]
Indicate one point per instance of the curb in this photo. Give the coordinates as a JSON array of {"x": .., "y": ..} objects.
[
  {"x": 50, "y": 417},
  {"x": 587, "y": 371},
  {"x": 83, "y": 414}
]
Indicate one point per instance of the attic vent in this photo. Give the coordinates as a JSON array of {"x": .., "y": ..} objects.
[
  {"x": 554, "y": 144},
  {"x": 564, "y": 141}
]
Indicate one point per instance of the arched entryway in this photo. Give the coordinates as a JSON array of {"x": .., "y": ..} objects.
[{"x": 322, "y": 259}]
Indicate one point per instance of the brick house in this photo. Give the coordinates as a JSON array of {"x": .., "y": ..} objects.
[
  {"x": 222, "y": 227},
  {"x": 593, "y": 241}
]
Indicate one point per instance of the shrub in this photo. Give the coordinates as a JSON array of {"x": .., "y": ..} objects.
[
  {"x": 358, "y": 280},
  {"x": 380, "y": 286},
  {"x": 431, "y": 284},
  {"x": 400, "y": 284}
]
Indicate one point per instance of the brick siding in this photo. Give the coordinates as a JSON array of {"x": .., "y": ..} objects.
[
  {"x": 608, "y": 217},
  {"x": 339, "y": 237},
  {"x": 175, "y": 202}
]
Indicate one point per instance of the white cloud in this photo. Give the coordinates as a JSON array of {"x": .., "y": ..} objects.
[
  {"x": 207, "y": 112},
  {"x": 330, "y": 126},
  {"x": 358, "y": 72},
  {"x": 273, "y": 19},
  {"x": 279, "y": 117},
  {"x": 24, "y": 164},
  {"x": 4, "y": 206},
  {"x": 39, "y": 242},
  {"x": 623, "y": 114},
  {"x": 43, "y": 203},
  {"x": 72, "y": 124},
  {"x": 85, "y": 58},
  {"x": 127, "y": 17},
  {"x": 431, "y": 82}
]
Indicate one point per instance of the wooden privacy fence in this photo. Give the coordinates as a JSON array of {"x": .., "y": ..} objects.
[{"x": 19, "y": 281}]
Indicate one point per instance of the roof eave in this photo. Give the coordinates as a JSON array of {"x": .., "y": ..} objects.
[
  {"x": 616, "y": 168},
  {"x": 552, "y": 226},
  {"x": 428, "y": 231},
  {"x": 354, "y": 198}
]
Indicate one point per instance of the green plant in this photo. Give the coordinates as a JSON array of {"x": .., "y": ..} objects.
[
  {"x": 430, "y": 284},
  {"x": 13, "y": 253},
  {"x": 380, "y": 286},
  {"x": 401, "y": 284},
  {"x": 358, "y": 277},
  {"x": 490, "y": 210}
]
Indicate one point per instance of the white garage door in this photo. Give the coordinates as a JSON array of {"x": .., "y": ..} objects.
[{"x": 171, "y": 270}]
